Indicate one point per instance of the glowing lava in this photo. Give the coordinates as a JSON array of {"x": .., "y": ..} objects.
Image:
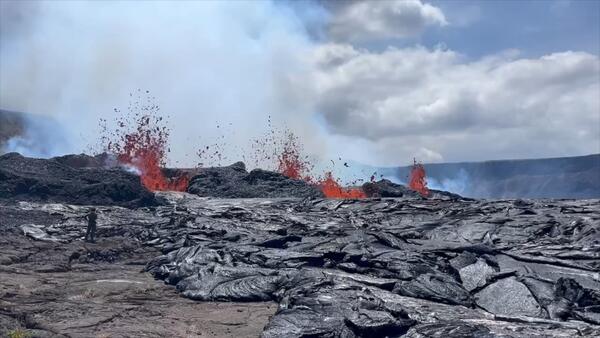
[
  {"x": 145, "y": 149},
  {"x": 332, "y": 189},
  {"x": 293, "y": 165},
  {"x": 418, "y": 179},
  {"x": 290, "y": 162}
]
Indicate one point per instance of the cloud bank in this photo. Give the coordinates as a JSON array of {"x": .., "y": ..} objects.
[
  {"x": 235, "y": 64},
  {"x": 457, "y": 109},
  {"x": 375, "y": 20}
]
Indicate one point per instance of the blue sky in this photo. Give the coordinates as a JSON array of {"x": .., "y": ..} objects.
[{"x": 535, "y": 27}]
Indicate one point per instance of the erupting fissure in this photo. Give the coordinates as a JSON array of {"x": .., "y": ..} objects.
[
  {"x": 145, "y": 149},
  {"x": 332, "y": 189},
  {"x": 290, "y": 162},
  {"x": 292, "y": 165},
  {"x": 418, "y": 179}
]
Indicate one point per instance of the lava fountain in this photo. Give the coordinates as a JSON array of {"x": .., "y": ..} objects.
[
  {"x": 418, "y": 179},
  {"x": 293, "y": 165},
  {"x": 332, "y": 189},
  {"x": 145, "y": 149}
]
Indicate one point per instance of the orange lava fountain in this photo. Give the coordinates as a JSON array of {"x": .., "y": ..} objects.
[
  {"x": 418, "y": 179},
  {"x": 145, "y": 150},
  {"x": 292, "y": 165}
]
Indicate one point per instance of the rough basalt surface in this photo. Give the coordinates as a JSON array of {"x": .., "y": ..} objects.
[
  {"x": 235, "y": 182},
  {"x": 440, "y": 267},
  {"x": 61, "y": 180},
  {"x": 386, "y": 188},
  {"x": 68, "y": 288}
]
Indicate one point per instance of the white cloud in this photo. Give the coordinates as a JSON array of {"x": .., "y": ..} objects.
[
  {"x": 366, "y": 20},
  {"x": 406, "y": 101}
]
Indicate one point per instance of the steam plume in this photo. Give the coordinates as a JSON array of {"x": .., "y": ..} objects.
[{"x": 207, "y": 63}]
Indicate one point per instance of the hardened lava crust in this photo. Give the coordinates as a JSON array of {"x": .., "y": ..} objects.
[{"x": 342, "y": 268}]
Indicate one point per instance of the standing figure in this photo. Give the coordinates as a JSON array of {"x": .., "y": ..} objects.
[{"x": 91, "y": 217}]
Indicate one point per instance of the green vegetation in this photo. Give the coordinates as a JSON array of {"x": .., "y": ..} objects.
[{"x": 18, "y": 333}]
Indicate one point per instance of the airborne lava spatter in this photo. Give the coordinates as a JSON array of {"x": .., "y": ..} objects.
[
  {"x": 145, "y": 148},
  {"x": 293, "y": 165},
  {"x": 290, "y": 162},
  {"x": 418, "y": 179}
]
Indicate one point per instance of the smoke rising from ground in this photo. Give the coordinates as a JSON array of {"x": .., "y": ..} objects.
[
  {"x": 40, "y": 137},
  {"x": 205, "y": 63}
]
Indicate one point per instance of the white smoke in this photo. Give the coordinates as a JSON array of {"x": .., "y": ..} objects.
[
  {"x": 41, "y": 137},
  {"x": 206, "y": 64},
  {"x": 131, "y": 169},
  {"x": 458, "y": 184}
]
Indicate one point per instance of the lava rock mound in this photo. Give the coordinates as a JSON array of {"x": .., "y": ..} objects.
[
  {"x": 235, "y": 182},
  {"x": 103, "y": 160},
  {"x": 387, "y": 188},
  {"x": 51, "y": 180}
]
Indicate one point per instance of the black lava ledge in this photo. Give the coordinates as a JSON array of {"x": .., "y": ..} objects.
[
  {"x": 386, "y": 188},
  {"x": 235, "y": 182},
  {"x": 54, "y": 180}
]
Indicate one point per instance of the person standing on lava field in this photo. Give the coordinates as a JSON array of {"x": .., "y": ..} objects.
[{"x": 91, "y": 217}]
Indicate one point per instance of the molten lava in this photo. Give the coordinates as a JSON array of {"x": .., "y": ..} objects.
[
  {"x": 145, "y": 149},
  {"x": 332, "y": 189},
  {"x": 418, "y": 179},
  {"x": 290, "y": 162},
  {"x": 293, "y": 165}
]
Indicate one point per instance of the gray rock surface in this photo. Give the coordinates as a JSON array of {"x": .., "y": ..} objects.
[
  {"x": 76, "y": 289},
  {"x": 476, "y": 275},
  {"x": 359, "y": 268},
  {"x": 509, "y": 297}
]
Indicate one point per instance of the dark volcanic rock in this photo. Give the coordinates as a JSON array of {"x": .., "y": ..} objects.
[
  {"x": 385, "y": 188},
  {"x": 103, "y": 160},
  {"x": 29, "y": 179},
  {"x": 63, "y": 289},
  {"x": 109, "y": 161},
  {"x": 235, "y": 182},
  {"x": 365, "y": 268}
]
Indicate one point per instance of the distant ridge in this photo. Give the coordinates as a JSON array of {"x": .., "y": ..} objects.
[{"x": 561, "y": 177}]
